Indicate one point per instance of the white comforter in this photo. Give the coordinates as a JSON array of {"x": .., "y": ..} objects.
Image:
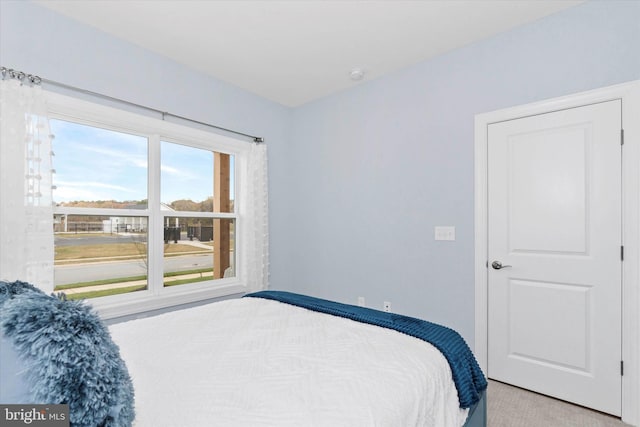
[{"x": 254, "y": 362}]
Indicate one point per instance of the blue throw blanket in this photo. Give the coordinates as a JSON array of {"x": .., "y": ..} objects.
[{"x": 467, "y": 376}]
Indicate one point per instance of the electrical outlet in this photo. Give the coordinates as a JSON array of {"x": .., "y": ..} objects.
[
  {"x": 386, "y": 306},
  {"x": 361, "y": 302}
]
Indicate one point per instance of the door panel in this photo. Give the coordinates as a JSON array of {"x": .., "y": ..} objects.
[
  {"x": 567, "y": 309},
  {"x": 554, "y": 201},
  {"x": 551, "y": 187}
]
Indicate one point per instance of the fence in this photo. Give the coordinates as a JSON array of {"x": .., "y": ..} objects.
[
  {"x": 105, "y": 226},
  {"x": 201, "y": 232},
  {"x": 79, "y": 227}
]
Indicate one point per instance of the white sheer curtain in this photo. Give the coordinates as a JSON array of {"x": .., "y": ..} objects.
[
  {"x": 255, "y": 219},
  {"x": 26, "y": 212}
]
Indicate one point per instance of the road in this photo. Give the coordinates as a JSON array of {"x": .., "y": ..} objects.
[
  {"x": 101, "y": 239},
  {"x": 75, "y": 273}
]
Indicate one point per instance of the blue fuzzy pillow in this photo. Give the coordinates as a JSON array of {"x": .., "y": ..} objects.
[
  {"x": 14, "y": 384},
  {"x": 70, "y": 355},
  {"x": 10, "y": 289}
]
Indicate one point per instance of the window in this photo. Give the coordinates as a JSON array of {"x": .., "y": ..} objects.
[
  {"x": 146, "y": 212},
  {"x": 196, "y": 180},
  {"x": 98, "y": 251}
]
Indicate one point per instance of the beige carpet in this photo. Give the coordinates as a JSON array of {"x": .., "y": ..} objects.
[{"x": 509, "y": 406}]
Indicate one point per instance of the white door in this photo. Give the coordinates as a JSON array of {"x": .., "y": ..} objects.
[{"x": 554, "y": 221}]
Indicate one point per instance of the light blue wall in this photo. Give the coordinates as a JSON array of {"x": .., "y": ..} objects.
[
  {"x": 377, "y": 167},
  {"x": 358, "y": 180}
]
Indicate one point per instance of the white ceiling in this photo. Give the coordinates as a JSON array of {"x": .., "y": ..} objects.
[{"x": 295, "y": 51}]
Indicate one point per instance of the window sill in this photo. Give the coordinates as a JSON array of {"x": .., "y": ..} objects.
[{"x": 143, "y": 301}]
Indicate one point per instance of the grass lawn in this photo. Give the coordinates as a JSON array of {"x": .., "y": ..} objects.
[
  {"x": 120, "y": 250},
  {"x": 116, "y": 291},
  {"x": 185, "y": 281},
  {"x": 70, "y": 236},
  {"x": 105, "y": 292},
  {"x": 136, "y": 278},
  {"x": 99, "y": 282}
]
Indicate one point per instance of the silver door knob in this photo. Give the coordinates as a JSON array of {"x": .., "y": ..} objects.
[{"x": 497, "y": 265}]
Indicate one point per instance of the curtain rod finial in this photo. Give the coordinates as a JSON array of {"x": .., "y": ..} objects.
[{"x": 258, "y": 139}]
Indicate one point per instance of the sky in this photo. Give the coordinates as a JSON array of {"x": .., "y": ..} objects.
[{"x": 97, "y": 164}]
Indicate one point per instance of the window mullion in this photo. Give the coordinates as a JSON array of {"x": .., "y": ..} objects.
[
  {"x": 156, "y": 219},
  {"x": 197, "y": 214}
]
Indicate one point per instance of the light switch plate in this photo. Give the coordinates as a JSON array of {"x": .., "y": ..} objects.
[{"x": 445, "y": 233}]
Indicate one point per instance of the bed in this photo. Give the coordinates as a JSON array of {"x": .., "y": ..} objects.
[
  {"x": 272, "y": 359},
  {"x": 280, "y": 359}
]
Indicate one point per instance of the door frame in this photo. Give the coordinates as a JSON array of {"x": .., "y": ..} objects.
[{"x": 629, "y": 93}]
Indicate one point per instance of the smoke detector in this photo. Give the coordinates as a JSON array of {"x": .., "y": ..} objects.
[{"x": 356, "y": 74}]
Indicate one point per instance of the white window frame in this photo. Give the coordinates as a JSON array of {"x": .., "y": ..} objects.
[{"x": 157, "y": 296}]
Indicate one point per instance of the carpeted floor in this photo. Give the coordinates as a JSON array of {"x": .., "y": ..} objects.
[{"x": 509, "y": 406}]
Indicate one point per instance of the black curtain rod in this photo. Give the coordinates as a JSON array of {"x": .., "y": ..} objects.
[{"x": 33, "y": 79}]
